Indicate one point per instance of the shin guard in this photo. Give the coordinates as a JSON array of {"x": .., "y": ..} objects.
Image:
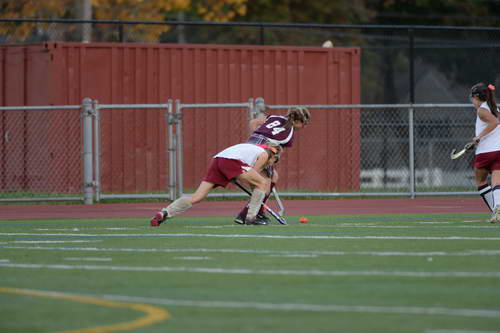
[
  {"x": 178, "y": 206},
  {"x": 255, "y": 203},
  {"x": 486, "y": 193}
]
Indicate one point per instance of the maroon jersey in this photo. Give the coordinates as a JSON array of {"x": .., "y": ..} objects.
[{"x": 273, "y": 130}]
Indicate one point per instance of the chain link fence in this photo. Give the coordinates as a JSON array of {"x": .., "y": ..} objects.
[
  {"x": 404, "y": 150},
  {"x": 141, "y": 151},
  {"x": 41, "y": 153},
  {"x": 388, "y": 135}
]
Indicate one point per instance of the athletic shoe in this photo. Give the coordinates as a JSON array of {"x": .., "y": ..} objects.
[
  {"x": 158, "y": 219},
  {"x": 255, "y": 221},
  {"x": 495, "y": 218},
  {"x": 263, "y": 218},
  {"x": 240, "y": 219}
]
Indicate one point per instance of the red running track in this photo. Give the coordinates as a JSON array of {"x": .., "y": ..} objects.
[{"x": 231, "y": 208}]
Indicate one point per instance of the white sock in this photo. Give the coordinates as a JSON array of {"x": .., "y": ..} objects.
[
  {"x": 255, "y": 203},
  {"x": 487, "y": 194},
  {"x": 178, "y": 206}
]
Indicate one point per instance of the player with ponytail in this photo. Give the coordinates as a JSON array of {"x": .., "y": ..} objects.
[
  {"x": 487, "y": 141},
  {"x": 277, "y": 130}
]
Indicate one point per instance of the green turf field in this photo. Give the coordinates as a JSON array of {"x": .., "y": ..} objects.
[{"x": 377, "y": 273}]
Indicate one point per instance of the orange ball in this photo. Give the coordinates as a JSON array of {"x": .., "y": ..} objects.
[{"x": 303, "y": 220}]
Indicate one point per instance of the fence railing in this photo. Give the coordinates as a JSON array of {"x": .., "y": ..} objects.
[{"x": 144, "y": 151}]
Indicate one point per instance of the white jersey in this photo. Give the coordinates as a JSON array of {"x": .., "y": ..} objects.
[
  {"x": 244, "y": 152},
  {"x": 489, "y": 142}
]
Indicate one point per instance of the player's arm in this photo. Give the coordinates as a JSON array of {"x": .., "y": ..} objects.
[
  {"x": 491, "y": 121},
  {"x": 261, "y": 162},
  {"x": 256, "y": 123}
]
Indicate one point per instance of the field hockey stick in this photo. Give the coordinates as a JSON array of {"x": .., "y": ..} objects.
[
  {"x": 278, "y": 218},
  {"x": 270, "y": 172},
  {"x": 468, "y": 147},
  {"x": 278, "y": 201}
]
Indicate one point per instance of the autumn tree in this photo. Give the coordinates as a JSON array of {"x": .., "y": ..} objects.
[
  {"x": 139, "y": 10},
  {"x": 30, "y": 9}
]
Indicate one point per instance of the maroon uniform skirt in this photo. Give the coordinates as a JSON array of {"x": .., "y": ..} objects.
[
  {"x": 222, "y": 170},
  {"x": 489, "y": 161}
]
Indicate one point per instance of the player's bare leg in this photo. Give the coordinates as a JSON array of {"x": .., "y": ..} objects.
[
  {"x": 495, "y": 184},
  {"x": 268, "y": 173},
  {"x": 260, "y": 186},
  {"x": 484, "y": 189},
  {"x": 182, "y": 204}
]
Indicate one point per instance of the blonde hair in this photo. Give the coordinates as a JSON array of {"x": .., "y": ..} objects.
[{"x": 274, "y": 149}]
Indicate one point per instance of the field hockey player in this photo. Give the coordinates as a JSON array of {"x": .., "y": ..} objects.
[
  {"x": 242, "y": 162},
  {"x": 487, "y": 140},
  {"x": 278, "y": 130}
]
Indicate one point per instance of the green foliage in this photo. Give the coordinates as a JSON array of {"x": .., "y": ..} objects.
[{"x": 297, "y": 11}]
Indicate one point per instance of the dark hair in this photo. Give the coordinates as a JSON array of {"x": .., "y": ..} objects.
[
  {"x": 298, "y": 114},
  {"x": 485, "y": 93}
]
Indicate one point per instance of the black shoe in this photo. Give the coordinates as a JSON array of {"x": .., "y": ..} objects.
[
  {"x": 262, "y": 217},
  {"x": 240, "y": 219},
  {"x": 256, "y": 221}
]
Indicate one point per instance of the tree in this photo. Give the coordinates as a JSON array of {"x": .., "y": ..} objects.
[
  {"x": 30, "y": 9},
  {"x": 464, "y": 56},
  {"x": 140, "y": 10},
  {"x": 429, "y": 12},
  {"x": 298, "y": 11}
]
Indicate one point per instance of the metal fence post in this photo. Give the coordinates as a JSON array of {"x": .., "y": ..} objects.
[
  {"x": 88, "y": 182},
  {"x": 411, "y": 152},
  {"x": 97, "y": 152},
  {"x": 411, "y": 47},
  {"x": 180, "y": 157},
  {"x": 259, "y": 107},
  {"x": 171, "y": 150},
  {"x": 251, "y": 106}
]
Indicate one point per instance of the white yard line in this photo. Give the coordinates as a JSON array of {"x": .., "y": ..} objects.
[
  {"x": 403, "y": 226},
  {"x": 57, "y": 229},
  {"x": 87, "y": 259},
  {"x": 80, "y": 229},
  {"x": 212, "y": 226},
  {"x": 267, "y": 252},
  {"x": 192, "y": 258},
  {"x": 459, "y": 312},
  {"x": 406, "y": 224},
  {"x": 56, "y": 241},
  {"x": 454, "y": 238},
  {"x": 121, "y": 228},
  {"x": 248, "y": 271},
  {"x": 459, "y": 331},
  {"x": 295, "y": 255},
  {"x": 484, "y": 313}
]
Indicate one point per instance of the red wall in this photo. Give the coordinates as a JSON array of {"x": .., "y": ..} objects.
[{"x": 325, "y": 155}]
